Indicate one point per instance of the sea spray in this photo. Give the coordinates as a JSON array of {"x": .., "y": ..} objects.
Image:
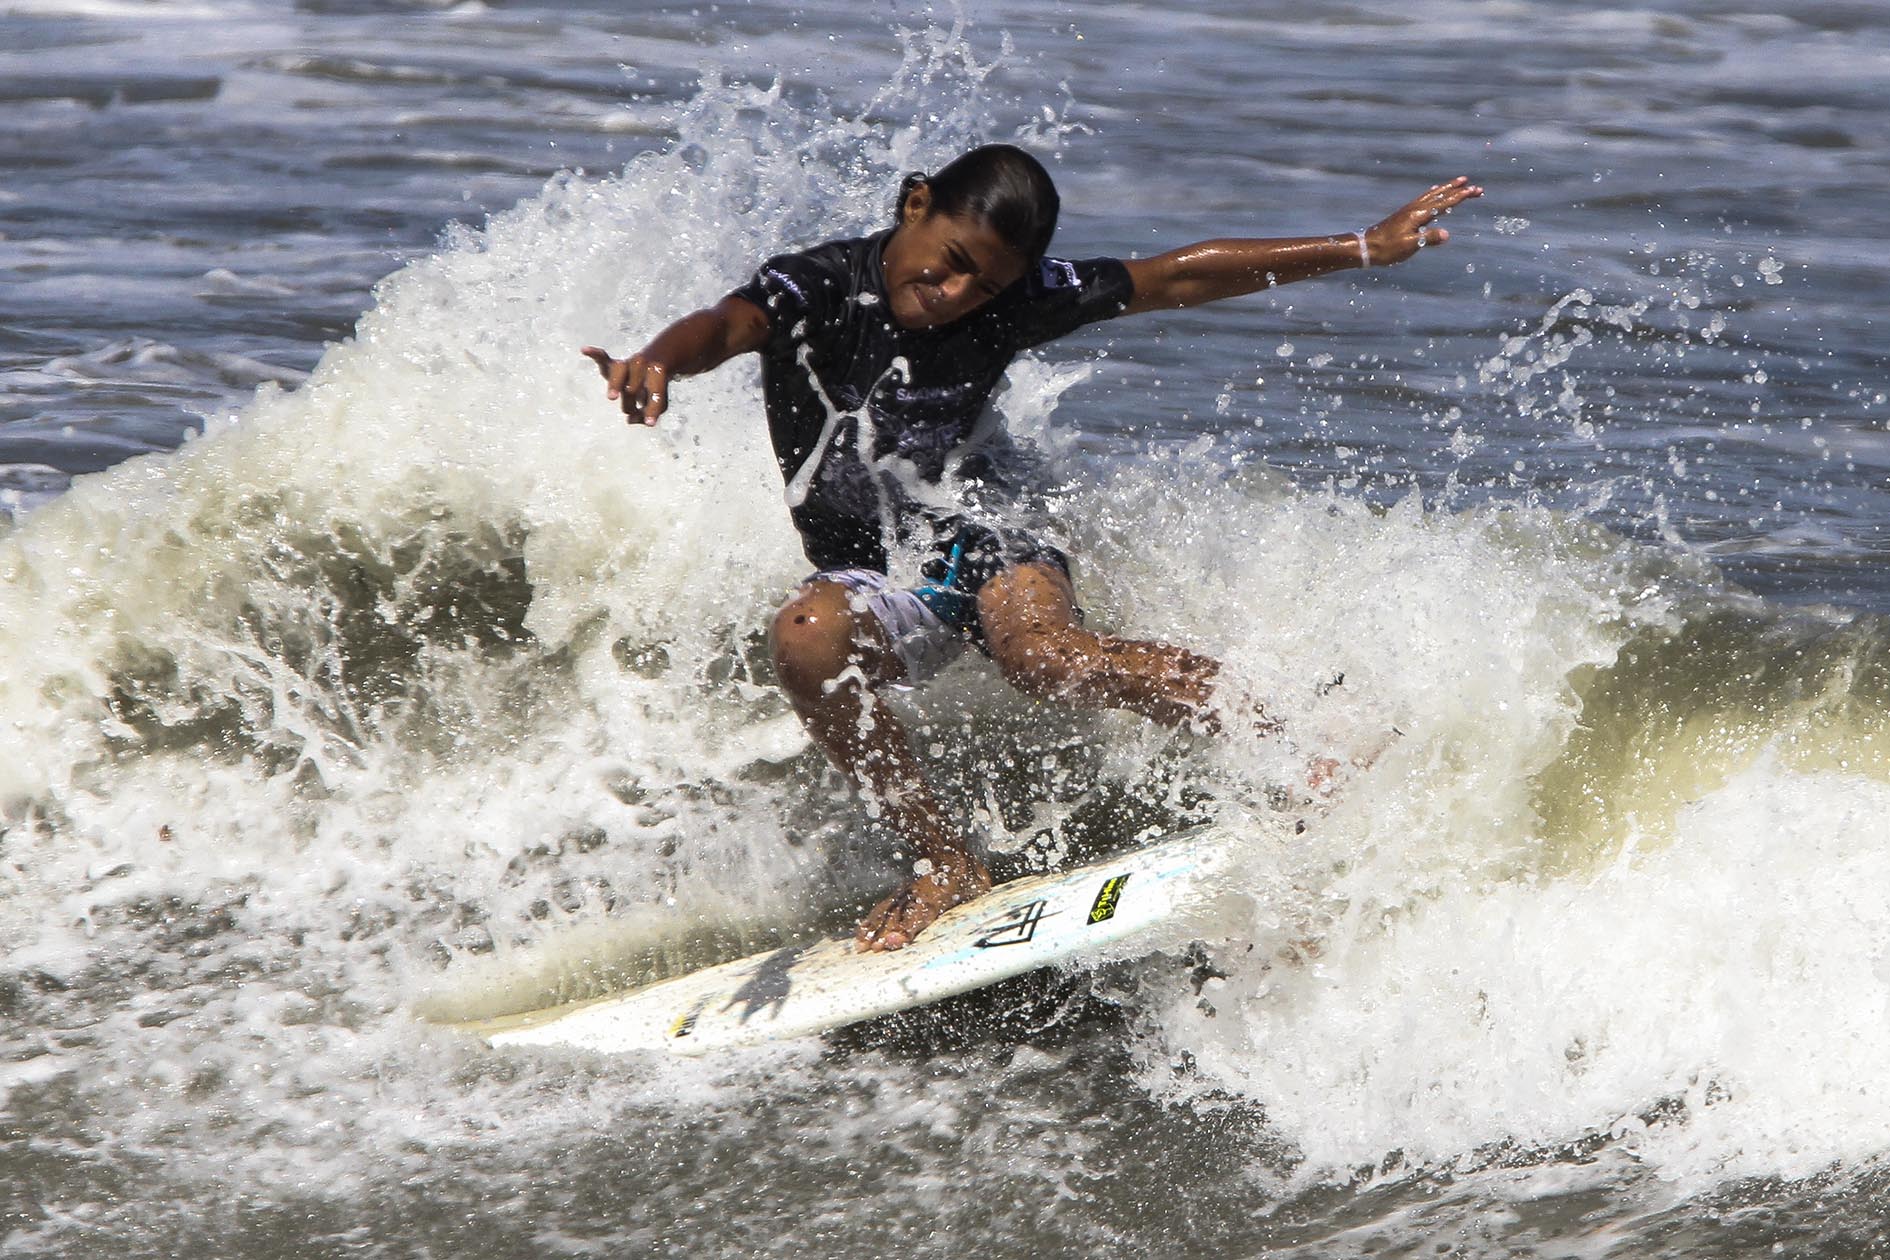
[
  {"x": 1611, "y": 884},
  {"x": 433, "y": 663},
  {"x": 431, "y": 681}
]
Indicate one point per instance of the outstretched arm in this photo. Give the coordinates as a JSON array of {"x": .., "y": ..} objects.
[
  {"x": 1212, "y": 270},
  {"x": 700, "y": 341}
]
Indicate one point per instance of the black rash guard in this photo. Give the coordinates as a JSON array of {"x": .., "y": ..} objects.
[{"x": 867, "y": 417}]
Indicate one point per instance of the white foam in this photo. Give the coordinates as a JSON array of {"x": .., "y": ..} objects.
[
  {"x": 255, "y": 791},
  {"x": 1736, "y": 970}
]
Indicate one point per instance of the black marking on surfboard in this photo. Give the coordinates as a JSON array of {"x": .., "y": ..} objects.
[
  {"x": 1107, "y": 897},
  {"x": 1016, "y": 930},
  {"x": 687, "y": 1024},
  {"x": 768, "y": 984}
]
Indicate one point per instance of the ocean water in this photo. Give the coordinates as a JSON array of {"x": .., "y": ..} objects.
[{"x": 359, "y": 669}]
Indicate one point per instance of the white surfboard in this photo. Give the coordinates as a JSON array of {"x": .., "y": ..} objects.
[{"x": 811, "y": 988}]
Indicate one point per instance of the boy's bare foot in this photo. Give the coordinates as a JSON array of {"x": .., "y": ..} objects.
[{"x": 895, "y": 921}]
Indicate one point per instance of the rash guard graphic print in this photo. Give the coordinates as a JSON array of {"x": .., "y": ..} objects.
[{"x": 866, "y": 418}]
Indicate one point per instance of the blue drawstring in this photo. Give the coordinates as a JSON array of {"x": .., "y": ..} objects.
[{"x": 956, "y": 608}]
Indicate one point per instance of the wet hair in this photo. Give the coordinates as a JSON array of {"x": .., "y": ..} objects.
[{"x": 1000, "y": 186}]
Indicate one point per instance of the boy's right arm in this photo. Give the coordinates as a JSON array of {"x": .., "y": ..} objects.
[{"x": 700, "y": 341}]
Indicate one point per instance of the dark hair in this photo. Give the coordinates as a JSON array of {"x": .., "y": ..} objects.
[{"x": 1000, "y": 186}]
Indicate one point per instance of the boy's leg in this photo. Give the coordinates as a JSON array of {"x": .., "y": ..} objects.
[
  {"x": 1033, "y": 633},
  {"x": 829, "y": 659},
  {"x": 1031, "y": 629}
]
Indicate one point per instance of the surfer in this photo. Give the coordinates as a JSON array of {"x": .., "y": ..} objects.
[{"x": 878, "y": 356}]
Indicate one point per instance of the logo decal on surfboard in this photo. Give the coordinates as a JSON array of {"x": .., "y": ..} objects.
[
  {"x": 686, "y": 1022},
  {"x": 1016, "y": 930},
  {"x": 1107, "y": 896}
]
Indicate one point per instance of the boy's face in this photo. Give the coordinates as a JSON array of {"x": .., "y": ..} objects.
[{"x": 943, "y": 267}]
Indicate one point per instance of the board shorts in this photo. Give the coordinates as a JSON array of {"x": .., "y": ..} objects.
[
  {"x": 921, "y": 640},
  {"x": 930, "y": 626}
]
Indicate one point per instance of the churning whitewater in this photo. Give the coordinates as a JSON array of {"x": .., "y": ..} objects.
[{"x": 428, "y": 689}]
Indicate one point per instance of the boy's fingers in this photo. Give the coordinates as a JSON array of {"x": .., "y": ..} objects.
[
  {"x": 656, "y": 393},
  {"x": 1456, "y": 190},
  {"x": 639, "y": 386},
  {"x": 600, "y": 357},
  {"x": 629, "y": 384}
]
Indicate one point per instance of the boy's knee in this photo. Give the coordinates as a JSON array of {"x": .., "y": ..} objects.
[
  {"x": 814, "y": 638},
  {"x": 1044, "y": 666}
]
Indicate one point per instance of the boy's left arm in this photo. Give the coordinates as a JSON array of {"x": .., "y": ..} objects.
[{"x": 1212, "y": 270}]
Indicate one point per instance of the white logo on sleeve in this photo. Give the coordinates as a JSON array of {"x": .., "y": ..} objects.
[
  {"x": 785, "y": 281},
  {"x": 1058, "y": 274}
]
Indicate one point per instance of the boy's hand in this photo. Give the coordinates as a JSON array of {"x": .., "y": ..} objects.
[
  {"x": 1405, "y": 231},
  {"x": 641, "y": 384}
]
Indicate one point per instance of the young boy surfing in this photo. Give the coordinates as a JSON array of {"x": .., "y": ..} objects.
[{"x": 878, "y": 358}]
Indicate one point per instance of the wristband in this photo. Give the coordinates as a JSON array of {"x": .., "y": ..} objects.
[{"x": 1364, "y": 252}]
